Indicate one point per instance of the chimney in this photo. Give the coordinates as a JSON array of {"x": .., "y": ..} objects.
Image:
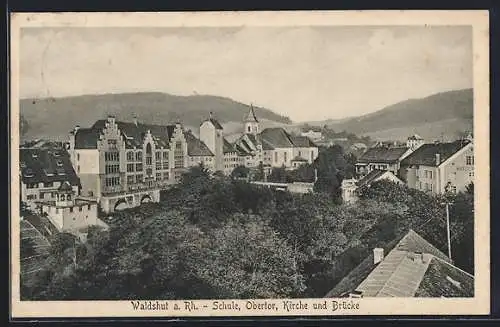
[
  {"x": 438, "y": 159},
  {"x": 378, "y": 255},
  {"x": 77, "y": 127}
]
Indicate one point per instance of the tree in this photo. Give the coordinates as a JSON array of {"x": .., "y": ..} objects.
[
  {"x": 240, "y": 172},
  {"x": 27, "y": 248}
]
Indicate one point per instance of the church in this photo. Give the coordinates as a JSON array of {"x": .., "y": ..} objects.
[{"x": 273, "y": 147}]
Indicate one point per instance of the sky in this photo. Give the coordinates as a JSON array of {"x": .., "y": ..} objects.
[{"x": 305, "y": 73}]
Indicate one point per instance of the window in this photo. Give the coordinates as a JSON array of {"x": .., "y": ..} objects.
[
  {"x": 158, "y": 155},
  {"x": 68, "y": 197},
  {"x": 88, "y": 207},
  {"x": 30, "y": 197},
  {"x": 300, "y": 153},
  {"x": 178, "y": 155},
  {"x": 130, "y": 168},
  {"x": 71, "y": 209},
  {"x": 59, "y": 163},
  {"x": 165, "y": 164},
  {"x": 149, "y": 172},
  {"x": 249, "y": 129},
  {"x": 80, "y": 209},
  {"x": 48, "y": 184},
  {"x": 138, "y": 178},
  {"x": 130, "y": 179},
  {"x": 312, "y": 155},
  {"x": 276, "y": 157},
  {"x": 77, "y": 156},
  {"x": 149, "y": 160},
  {"x": 158, "y": 176},
  {"x": 112, "y": 169},
  {"x": 112, "y": 156},
  {"x": 57, "y": 210},
  {"x": 285, "y": 156},
  {"x": 165, "y": 155},
  {"x": 78, "y": 169},
  {"x": 130, "y": 156},
  {"x": 112, "y": 181},
  {"x": 32, "y": 185},
  {"x": 138, "y": 156},
  {"x": 471, "y": 174},
  {"x": 112, "y": 142},
  {"x": 138, "y": 167},
  {"x": 469, "y": 160}
]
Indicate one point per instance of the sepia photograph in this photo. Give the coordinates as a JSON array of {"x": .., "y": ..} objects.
[{"x": 241, "y": 168}]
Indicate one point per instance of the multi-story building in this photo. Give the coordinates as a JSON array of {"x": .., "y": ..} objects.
[
  {"x": 274, "y": 147},
  {"x": 124, "y": 164},
  {"x": 440, "y": 167},
  {"x": 382, "y": 157},
  {"x": 350, "y": 186},
  {"x": 43, "y": 171}
]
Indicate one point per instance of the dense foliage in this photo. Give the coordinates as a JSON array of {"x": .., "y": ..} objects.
[{"x": 214, "y": 237}]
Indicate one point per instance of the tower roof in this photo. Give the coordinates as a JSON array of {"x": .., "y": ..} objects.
[{"x": 251, "y": 116}]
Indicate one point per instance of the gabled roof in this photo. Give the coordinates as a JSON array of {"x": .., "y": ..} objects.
[
  {"x": 65, "y": 187},
  {"x": 46, "y": 165},
  {"x": 277, "y": 136},
  {"x": 196, "y": 147},
  {"x": 412, "y": 267},
  {"x": 250, "y": 117},
  {"x": 425, "y": 155},
  {"x": 214, "y": 122},
  {"x": 383, "y": 154},
  {"x": 302, "y": 141},
  {"x": 370, "y": 177},
  {"x": 133, "y": 134},
  {"x": 228, "y": 147}
]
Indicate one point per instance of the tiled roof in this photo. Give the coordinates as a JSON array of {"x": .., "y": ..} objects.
[
  {"x": 302, "y": 141},
  {"x": 241, "y": 151},
  {"x": 133, "y": 134},
  {"x": 383, "y": 154},
  {"x": 46, "y": 165},
  {"x": 426, "y": 154},
  {"x": 277, "y": 136},
  {"x": 196, "y": 147},
  {"x": 228, "y": 147},
  {"x": 412, "y": 267},
  {"x": 370, "y": 177},
  {"x": 266, "y": 145}
]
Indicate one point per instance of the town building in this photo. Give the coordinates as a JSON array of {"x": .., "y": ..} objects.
[
  {"x": 69, "y": 212},
  {"x": 313, "y": 135},
  {"x": 412, "y": 268},
  {"x": 350, "y": 186},
  {"x": 274, "y": 147},
  {"x": 382, "y": 157},
  {"x": 43, "y": 171},
  {"x": 124, "y": 164},
  {"x": 415, "y": 141},
  {"x": 440, "y": 167}
]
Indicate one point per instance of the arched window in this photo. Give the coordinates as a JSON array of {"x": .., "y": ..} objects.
[
  {"x": 61, "y": 197},
  {"x": 249, "y": 128},
  {"x": 148, "y": 148}
]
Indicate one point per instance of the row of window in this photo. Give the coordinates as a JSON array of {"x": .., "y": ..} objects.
[
  {"x": 137, "y": 156},
  {"x": 35, "y": 185},
  {"x": 112, "y": 156},
  {"x": 112, "y": 181},
  {"x": 469, "y": 160},
  {"x": 112, "y": 169}
]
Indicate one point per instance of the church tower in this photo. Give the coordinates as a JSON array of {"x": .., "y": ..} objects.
[{"x": 251, "y": 123}]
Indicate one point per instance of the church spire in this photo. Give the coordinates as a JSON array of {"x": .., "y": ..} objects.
[{"x": 251, "y": 115}]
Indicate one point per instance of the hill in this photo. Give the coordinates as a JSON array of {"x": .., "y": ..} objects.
[
  {"x": 55, "y": 117},
  {"x": 445, "y": 115}
]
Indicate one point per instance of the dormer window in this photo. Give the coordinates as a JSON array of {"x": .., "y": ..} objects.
[
  {"x": 56, "y": 154},
  {"x": 23, "y": 164},
  {"x": 59, "y": 163},
  {"x": 28, "y": 173},
  {"x": 48, "y": 173},
  {"x": 34, "y": 155}
]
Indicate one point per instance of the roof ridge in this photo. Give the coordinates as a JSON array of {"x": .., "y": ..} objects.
[{"x": 453, "y": 266}]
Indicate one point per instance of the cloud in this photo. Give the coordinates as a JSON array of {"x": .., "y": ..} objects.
[{"x": 307, "y": 73}]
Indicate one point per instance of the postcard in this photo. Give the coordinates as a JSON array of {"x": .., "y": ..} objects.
[{"x": 194, "y": 164}]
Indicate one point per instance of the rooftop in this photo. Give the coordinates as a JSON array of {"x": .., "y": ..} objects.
[
  {"x": 426, "y": 154},
  {"x": 383, "y": 154},
  {"x": 196, "y": 147},
  {"x": 251, "y": 116},
  {"x": 46, "y": 165},
  {"x": 412, "y": 268}
]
